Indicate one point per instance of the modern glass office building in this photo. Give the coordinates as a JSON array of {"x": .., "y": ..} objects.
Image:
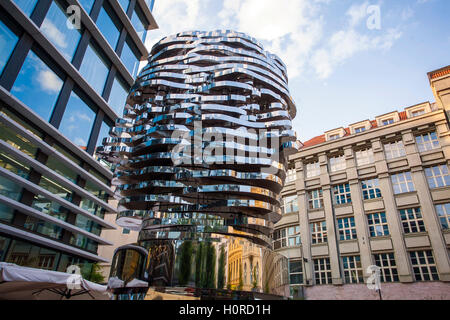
[{"x": 66, "y": 67}]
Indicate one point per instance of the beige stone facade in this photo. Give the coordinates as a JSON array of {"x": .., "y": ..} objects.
[{"x": 375, "y": 193}]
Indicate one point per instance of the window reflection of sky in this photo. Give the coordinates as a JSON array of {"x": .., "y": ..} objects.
[
  {"x": 8, "y": 41},
  {"x": 108, "y": 28},
  {"x": 129, "y": 60},
  {"x": 94, "y": 70},
  {"x": 87, "y": 4},
  {"x": 118, "y": 97},
  {"x": 37, "y": 86},
  {"x": 56, "y": 30},
  {"x": 27, "y": 6},
  {"x": 77, "y": 121}
]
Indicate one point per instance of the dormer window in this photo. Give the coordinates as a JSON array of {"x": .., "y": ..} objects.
[
  {"x": 388, "y": 119},
  {"x": 333, "y": 137},
  {"x": 335, "y": 134},
  {"x": 418, "y": 110},
  {"x": 417, "y": 113},
  {"x": 360, "y": 129}
]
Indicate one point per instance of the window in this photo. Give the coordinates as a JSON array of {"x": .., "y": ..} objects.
[
  {"x": 423, "y": 265},
  {"x": 27, "y": 6},
  {"x": 109, "y": 25},
  {"x": 378, "y": 226},
  {"x": 364, "y": 157},
  {"x": 6, "y": 215},
  {"x": 291, "y": 175},
  {"x": 337, "y": 163},
  {"x": 371, "y": 189},
  {"x": 318, "y": 232},
  {"x": 347, "y": 228},
  {"x": 104, "y": 133},
  {"x": 25, "y": 254},
  {"x": 57, "y": 166},
  {"x": 10, "y": 189},
  {"x": 312, "y": 169},
  {"x": 49, "y": 207},
  {"x": 8, "y": 41},
  {"x": 402, "y": 182},
  {"x": 394, "y": 150},
  {"x": 125, "y": 231},
  {"x": 286, "y": 237},
  {"x": 315, "y": 199},
  {"x": 54, "y": 187},
  {"x": 293, "y": 236},
  {"x": 295, "y": 272},
  {"x": 428, "y": 141},
  {"x": 4, "y": 244},
  {"x": 388, "y": 268},
  {"x": 55, "y": 28},
  {"x": 94, "y": 69},
  {"x": 352, "y": 269},
  {"x": 417, "y": 113},
  {"x": 438, "y": 176},
  {"x": 88, "y": 225},
  {"x": 87, "y": 4},
  {"x": 360, "y": 129},
  {"x": 139, "y": 22},
  {"x": 341, "y": 194},
  {"x": 443, "y": 212},
  {"x": 412, "y": 220},
  {"x": 279, "y": 239},
  {"x": 124, "y": 4},
  {"x": 386, "y": 122},
  {"x": 37, "y": 86},
  {"x": 322, "y": 271},
  {"x": 334, "y": 137},
  {"x": 290, "y": 204},
  {"x": 17, "y": 141},
  {"x": 77, "y": 121},
  {"x": 118, "y": 96},
  {"x": 150, "y": 4},
  {"x": 129, "y": 58}
]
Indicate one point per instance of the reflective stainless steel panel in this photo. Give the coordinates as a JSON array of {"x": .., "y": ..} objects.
[{"x": 200, "y": 160}]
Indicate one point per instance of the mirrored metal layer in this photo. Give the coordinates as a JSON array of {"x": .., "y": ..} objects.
[
  {"x": 221, "y": 265},
  {"x": 201, "y": 150}
]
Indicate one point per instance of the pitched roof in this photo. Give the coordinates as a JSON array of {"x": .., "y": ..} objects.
[{"x": 321, "y": 139}]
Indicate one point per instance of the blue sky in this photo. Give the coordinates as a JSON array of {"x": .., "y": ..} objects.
[{"x": 340, "y": 70}]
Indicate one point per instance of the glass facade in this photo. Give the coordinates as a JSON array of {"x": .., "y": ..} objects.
[
  {"x": 124, "y": 4},
  {"x": 49, "y": 88},
  {"x": 37, "y": 86},
  {"x": 118, "y": 97},
  {"x": 109, "y": 25},
  {"x": 8, "y": 41},
  {"x": 27, "y": 6},
  {"x": 139, "y": 23},
  {"x": 55, "y": 29},
  {"x": 129, "y": 59},
  {"x": 95, "y": 69},
  {"x": 77, "y": 121},
  {"x": 87, "y": 4}
]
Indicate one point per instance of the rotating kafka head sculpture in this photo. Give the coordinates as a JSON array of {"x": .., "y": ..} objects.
[{"x": 201, "y": 149}]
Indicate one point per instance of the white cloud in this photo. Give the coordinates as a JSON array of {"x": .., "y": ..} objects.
[
  {"x": 79, "y": 116},
  {"x": 294, "y": 30},
  {"x": 49, "y": 81},
  {"x": 357, "y": 13},
  {"x": 54, "y": 34}
]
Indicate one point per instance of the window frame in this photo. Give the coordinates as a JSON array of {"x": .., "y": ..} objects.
[
  {"x": 319, "y": 233},
  {"x": 412, "y": 220}
]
